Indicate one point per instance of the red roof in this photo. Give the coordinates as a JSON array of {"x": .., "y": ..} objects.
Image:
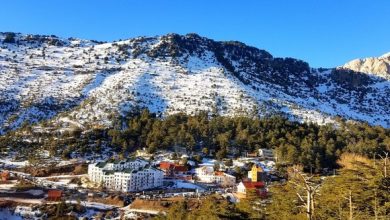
[
  {"x": 180, "y": 168},
  {"x": 253, "y": 185},
  {"x": 171, "y": 166},
  {"x": 54, "y": 193},
  {"x": 166, "y": 165}
]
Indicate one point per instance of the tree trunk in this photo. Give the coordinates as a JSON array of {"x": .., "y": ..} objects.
[
  {"x": 386, "y": 166},
  {"x": 350, "y": 206},
  {"x": 309, "y": 214},
  {"x": 312, "y": 204},
  {"x": 375, "y": 206}
]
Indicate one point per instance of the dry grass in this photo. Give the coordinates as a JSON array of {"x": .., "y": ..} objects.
[
  {"x": 163, "y": 204},
  {"x": 80, "y": 169},
  {"x": 111, "y": 200},
  {"x": 351, "y": 161}
]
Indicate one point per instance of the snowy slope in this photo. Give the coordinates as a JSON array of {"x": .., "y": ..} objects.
[{"x": 79, "y": 82}]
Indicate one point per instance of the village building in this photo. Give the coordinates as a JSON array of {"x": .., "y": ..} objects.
[
  {"x": 266, "y": 154},
  {"x": 143, "y": 153},
  {"x": 207, "y": 174},
  {"x": 126, "y": 175},
  {"x": 172, "y": 169},
  {"x": 54, "y": 195},
  {"x": 243, "y": 188},
  {"x": 257, "y": 173}
]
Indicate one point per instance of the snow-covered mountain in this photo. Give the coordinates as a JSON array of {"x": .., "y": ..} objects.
[
  {"x": 379, "y": 66},
  {"x": 78, "y": 82}
]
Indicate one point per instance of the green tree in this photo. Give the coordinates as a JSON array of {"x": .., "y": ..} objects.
[{"x": 9, "y": 38}]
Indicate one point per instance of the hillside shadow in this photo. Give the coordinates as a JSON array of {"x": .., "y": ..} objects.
[
  {"x": 99, "y": 79},
  {"x": 95, "y": 83},
  {"x": 45, "y": 109}
]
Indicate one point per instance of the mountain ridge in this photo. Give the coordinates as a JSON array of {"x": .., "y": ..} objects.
[
  {"x": 79, "y": 82},
  {"x": 378, "y": 66}
]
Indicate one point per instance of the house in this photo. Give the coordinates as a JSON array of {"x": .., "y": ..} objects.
[
  {"x": 207, "y": 174},
  {"x": 257, "y": 173},
  {"x": 266, "y": 154},
  {"x": 54, "y": 195},
  {"x": 126, "y": 175},
  {"x": 143, "y": 153},
  {"x": 257, "y": 187},
  {"x": 171, "y": 169}
]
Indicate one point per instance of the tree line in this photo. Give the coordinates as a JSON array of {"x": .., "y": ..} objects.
[{"x": 313, "y": 146}]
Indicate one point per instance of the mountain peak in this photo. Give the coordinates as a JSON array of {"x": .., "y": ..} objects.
[
  {"x": 386, "y": 55},
  {"x": 378, "y": 66}
]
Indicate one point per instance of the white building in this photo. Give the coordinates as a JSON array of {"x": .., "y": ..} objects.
[
  {"x": 143, "y": 153},
  {"x": 241, "y": 188},
  {"x": 266, "y": 154},
  {"x": 207, "y": 174},
  {"x": 257, "y": 187},
  {"x": 126, "y": 175}
]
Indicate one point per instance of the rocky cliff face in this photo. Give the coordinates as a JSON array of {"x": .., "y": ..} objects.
[{"x": 378, "y": 66}]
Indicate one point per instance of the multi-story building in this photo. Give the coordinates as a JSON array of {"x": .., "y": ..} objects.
[
  {"x": 126, "y": 175},
  {"x": 207, "y": 174}
]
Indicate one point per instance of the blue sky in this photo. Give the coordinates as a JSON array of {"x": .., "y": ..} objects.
[{"x": 325, "y": 33}]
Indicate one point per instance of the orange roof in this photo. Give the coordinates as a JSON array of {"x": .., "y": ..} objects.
[
  {"x": 171, "y": 166},
  {"x": 5, "y": 173},
  {"x": 253, "y": 185},
  {"x": 219, "y": 173},
  {"x": 166, "y": 165}
]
